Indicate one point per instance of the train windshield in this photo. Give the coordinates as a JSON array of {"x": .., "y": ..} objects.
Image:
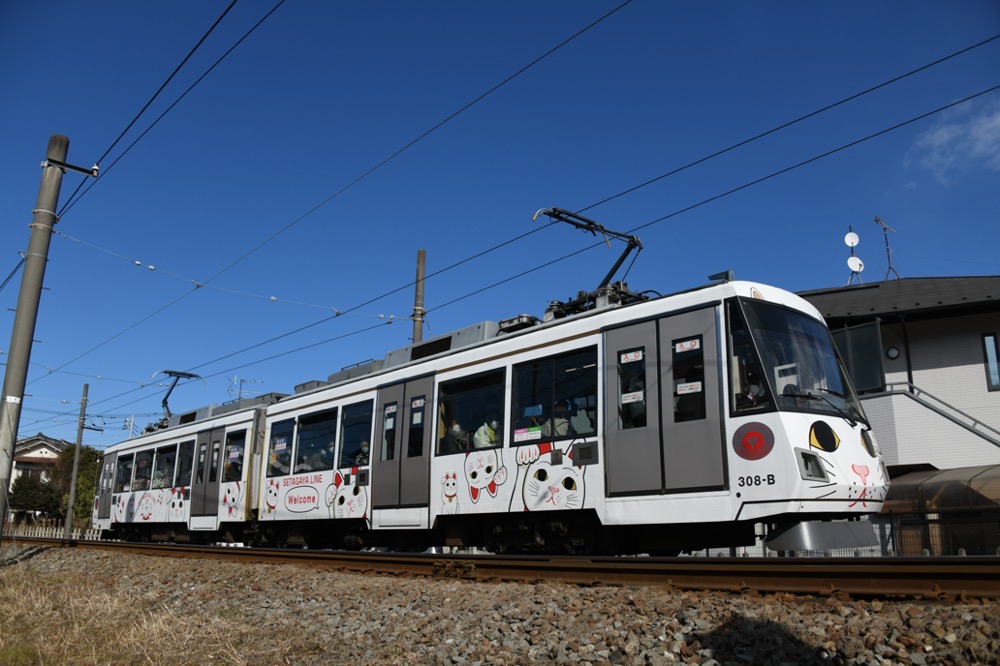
[{"x": 799, "y": 363}]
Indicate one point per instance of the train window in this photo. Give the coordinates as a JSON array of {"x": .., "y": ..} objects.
[
  {"x": 143, "y": 470},
  {"x": 280, "y": 451},
  {"x": 689, "y": 379},
  {"x": 233, "y": 465},
  {"x": 185, "y": 463},
  {"x": 199, "y": 475},
  {"x": 123, "y": 474},
  {"x": 355, "y": 433},
  {"x": 471, "y": 411},
  {"x": 415, "y": 438},
  {"x": 389, "y": 431},
  {"x": 213, "y": 474},
  {"x": 163, "y": 468},
  {"x": 556, "y": 397},
  {"x": 632, "y": 388},
  {"x": 747, "y": 388},
  {"x": 316, "y": 441}
]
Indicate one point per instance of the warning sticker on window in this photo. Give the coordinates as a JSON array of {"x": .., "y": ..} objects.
[{"x": 687, "y": 345}]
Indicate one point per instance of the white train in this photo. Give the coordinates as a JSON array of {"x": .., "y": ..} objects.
[{"x": 637, "y": 426}]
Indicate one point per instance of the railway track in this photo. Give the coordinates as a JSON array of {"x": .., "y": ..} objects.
[{"x": 925, "y": 577}]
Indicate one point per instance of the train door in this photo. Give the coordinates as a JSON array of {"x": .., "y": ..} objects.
[
  {"x": 401, "y": 467},
  {"x": 205, "y": 484},
  {"x": 104, "y": 493},
  {"x": 663, "y": 430}
]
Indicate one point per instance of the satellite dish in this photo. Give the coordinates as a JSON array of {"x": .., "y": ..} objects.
[
  {"x": 851, "y": 239},
  {"x": 855, "y": 264}
]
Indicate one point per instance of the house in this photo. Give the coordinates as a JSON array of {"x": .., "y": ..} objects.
[
  {"x": 924, "y": 354},
  {"x": 35, "y": 456}
]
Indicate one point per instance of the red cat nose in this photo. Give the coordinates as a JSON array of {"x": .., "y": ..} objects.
[{"x": 862, "y": 471}]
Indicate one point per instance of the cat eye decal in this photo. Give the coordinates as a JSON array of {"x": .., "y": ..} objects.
[
  {"x": 822, "y": 436},
  {"x": 753, "y": 441},
  {"x": 868, "y": 443}
]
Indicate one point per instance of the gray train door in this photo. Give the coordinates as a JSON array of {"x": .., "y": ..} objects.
[
  {"x": 663, "y": 431},
  {"x": 104, "y": 493},
  {"x": 205, "y": 484},
  {"x": 401, "y": 466}
]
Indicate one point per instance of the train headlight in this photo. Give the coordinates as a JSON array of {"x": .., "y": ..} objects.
[{"x": 810, "y": 466}]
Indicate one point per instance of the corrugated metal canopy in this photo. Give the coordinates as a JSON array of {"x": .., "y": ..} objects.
[{"x": 940, "y": 490}]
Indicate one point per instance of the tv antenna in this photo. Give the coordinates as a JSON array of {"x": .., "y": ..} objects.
[
  {"x": 854, "y": 263},
  {"x": 237, "y": 386},
  {"x": 888, "y": 251}
]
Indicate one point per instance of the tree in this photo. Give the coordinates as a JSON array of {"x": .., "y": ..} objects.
[
  {"x": 86, "y": 481},
  {"x": 30, "y": 493}
]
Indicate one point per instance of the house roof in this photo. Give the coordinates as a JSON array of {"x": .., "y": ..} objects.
[
  {"x": 917, "y": 298},
  {"x": 33, "y": 443}
]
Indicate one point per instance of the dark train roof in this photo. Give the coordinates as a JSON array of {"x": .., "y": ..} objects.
[{"x": 917, "y": 298}]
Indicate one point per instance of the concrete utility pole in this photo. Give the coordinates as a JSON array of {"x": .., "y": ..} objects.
[
  {"x": 27, "y": 309},
  {"x": 68, "y": 533},
  {"x": 418, "y": 300}
]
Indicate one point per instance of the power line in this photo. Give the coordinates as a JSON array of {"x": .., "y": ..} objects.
[
  {"x": 500, "y": 245},
  {"x": 423, "y": 136},
  {"x": 727, "y": 193},
  {"x": 547, "y": 264},
  {"x": 629, "y": 190},
  {"x": 12, "y": 273},
  {"x": 71, "y": 201},
  {"x": 791, "y": 122},
  {"x": 353, "y": 182},
  {"x": 146, "y": 106}
]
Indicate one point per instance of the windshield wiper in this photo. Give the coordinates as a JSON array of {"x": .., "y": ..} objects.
[
  {"x": 817, "y": 396},
  {"x": 850, "y": 405}
]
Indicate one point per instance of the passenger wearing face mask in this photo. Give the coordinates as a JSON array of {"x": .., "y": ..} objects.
[
  {"x": 362, "y": 457},
  {"x": 487, "y": 436},
  {"x": 455, "y": 438}
]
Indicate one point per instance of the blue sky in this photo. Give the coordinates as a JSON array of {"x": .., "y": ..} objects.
[{"x": 275, "y": 138}]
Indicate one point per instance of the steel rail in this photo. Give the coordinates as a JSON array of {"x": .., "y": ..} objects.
[{"x": 919, "y": 577}]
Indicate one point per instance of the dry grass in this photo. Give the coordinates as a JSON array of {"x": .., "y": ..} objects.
[{"x": 75, "y": 619}]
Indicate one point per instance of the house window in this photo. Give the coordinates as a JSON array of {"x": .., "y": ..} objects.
[{"x": 991, "y": 350}]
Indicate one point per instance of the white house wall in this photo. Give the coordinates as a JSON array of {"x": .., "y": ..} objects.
[{"x": 947, "y": 362}]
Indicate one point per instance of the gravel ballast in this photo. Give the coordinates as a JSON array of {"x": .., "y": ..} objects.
[{"x": 193, "y": 611}]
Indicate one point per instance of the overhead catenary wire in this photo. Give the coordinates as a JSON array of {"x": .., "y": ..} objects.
[
  {"x": 170, "y": 78},
  {"x": 788, "y": 124},
  {"x": 73, "y": 199},
  {"x": 343, "y": 189},
  {"x": 12, "y": 273},
  {"x": 663, "y": 218},
  {"x": 729, "y": 192},
  {"x": 601, "y": 243},
  {"x": 622, "y": 193},
  {"x": 670, "y": 215}
]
